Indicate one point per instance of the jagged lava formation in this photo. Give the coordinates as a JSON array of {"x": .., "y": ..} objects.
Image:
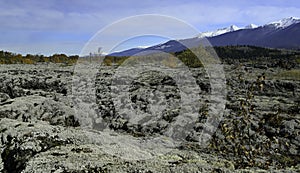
[{"x": 40, "y": 131}]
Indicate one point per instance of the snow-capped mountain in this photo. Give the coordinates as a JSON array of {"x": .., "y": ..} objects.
[
  {"x": 251, "y": 26},
  {"x": 225, "y": 30},
  {"x": 284, "y": 33},
  {"x": 219, "y": 31},
  {"x": 283, "y": 23}
]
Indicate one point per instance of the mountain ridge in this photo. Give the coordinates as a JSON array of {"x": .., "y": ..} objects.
[{"x": 284, "y": 33}]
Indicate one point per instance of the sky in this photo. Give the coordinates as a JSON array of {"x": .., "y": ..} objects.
[{"x": 66, "y": 26}]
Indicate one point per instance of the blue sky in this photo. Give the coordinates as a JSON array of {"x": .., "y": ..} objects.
[{"x": 65, "y": 26}]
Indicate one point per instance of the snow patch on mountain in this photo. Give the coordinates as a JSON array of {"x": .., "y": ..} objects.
[
  {"x": 163, "y": 46},
  {"x": 144, "y": 47},
  {"x": 251, "y": 26},
  {"x": 219, "y": 31},
  {"x": 286, "y": 22}
]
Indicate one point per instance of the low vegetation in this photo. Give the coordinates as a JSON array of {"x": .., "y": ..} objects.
[
  {"x": 186, "y": 57},
  {"x": 293, "y": 74},
  {"x": 12, "y": 58},
  {"x": 230, "y": 54}
]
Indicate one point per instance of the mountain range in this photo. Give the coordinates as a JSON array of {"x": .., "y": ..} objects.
[{"x": 284, "y": 33}]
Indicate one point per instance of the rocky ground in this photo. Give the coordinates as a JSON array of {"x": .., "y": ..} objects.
[{"x": 48, "y": 123}]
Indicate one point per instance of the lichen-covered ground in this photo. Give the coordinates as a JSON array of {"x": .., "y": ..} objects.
[{"x": 44, "y": 129}]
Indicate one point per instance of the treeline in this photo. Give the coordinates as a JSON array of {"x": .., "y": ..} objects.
[
  {"x": 253, "y": 52},
  {"x": 12, "y": 58},
  {"x": 282, "y": 58},
  {"x": 227, "y": 54}
]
